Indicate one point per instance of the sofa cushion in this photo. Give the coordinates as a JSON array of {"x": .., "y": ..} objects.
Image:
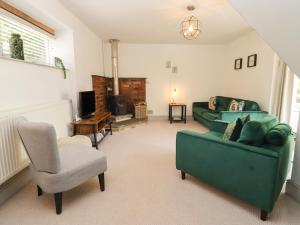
[
  {"x": 233, "y": 106},
  {"x": 230, "y": 129},
  {"x": 278, "y": 135},
  {"x": 251, "y": 106},
  {"x": 199, "y": 110},
  {"x": 234, "y": 135},
  {"x": 222, "y": 103},
  {"x": 253, "y": 132},
  {"x": 210, "y": 115},
  {"x": 212, "y": 103}
]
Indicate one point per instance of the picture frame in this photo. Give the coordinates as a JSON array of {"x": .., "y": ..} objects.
[
  {"x": 252, "y": 60},
  {"x": 168, "y": 64},
  {"x": 238, "y": 64},
  {"x": 174, "y": 69}
]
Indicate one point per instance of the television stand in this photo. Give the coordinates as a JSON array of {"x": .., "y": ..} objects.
[{"x": 94, "y": 125}]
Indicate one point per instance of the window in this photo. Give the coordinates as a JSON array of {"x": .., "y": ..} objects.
[
  {"x": 37, "y": 46},
  {"x": 295, "y": 104}
]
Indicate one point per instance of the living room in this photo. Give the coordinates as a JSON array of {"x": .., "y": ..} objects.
[{"x": 235, "y": 54}]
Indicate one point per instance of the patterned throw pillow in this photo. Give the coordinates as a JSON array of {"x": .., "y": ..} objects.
[
  {"x": 241, "y": 106},
  {"x": 212, "y": 103},
  {"x": 233, "y": 106},
  {"x": 229, "y": 130},
  {"x": 234, "y": 129}
]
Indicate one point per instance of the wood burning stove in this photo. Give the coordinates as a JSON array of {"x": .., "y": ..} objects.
[{"x": 117, "y": 104}]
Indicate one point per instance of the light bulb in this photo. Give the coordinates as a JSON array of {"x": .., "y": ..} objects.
[{"x": 191, "y": 29}]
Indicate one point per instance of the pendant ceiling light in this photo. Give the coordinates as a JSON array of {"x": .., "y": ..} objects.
[{"x": 190, "y": 27}]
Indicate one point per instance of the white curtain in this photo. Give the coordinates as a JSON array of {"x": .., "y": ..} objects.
[
  {"x": 283, "y": 82},
  {"x": 287, "y": 97}
]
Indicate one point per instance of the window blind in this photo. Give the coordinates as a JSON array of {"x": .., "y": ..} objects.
[{"x": 37, "y": 46}]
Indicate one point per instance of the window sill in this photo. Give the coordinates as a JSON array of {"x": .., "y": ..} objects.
[{"x": 32, "y": 63}]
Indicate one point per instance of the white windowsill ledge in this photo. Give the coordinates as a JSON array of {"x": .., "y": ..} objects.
[{"x": 33, "y": 63}]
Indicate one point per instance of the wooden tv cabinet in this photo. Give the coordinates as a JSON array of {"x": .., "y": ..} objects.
[{"x": 94, "y": 125}]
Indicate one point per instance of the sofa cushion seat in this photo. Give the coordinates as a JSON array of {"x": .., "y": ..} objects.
[
  {"x": 199, "y": 110},
  {"x": 210, "y": 115}
]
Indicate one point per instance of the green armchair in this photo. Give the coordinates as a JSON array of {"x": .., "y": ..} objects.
[{"x": 253, "y": 174}]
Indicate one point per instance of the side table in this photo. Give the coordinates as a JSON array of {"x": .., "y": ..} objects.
[{"x": 182, "y": 118}]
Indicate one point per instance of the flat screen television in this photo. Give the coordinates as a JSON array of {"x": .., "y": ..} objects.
[{"x": 87, "y": 104}]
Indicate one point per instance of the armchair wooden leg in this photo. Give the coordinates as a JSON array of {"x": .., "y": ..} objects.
[
  {"x": 58, "y": 202},
  {"x": 263, "y": 215},
  {"x": 101, "y": 181},
  {"x": 39, "y": 190},
  {"x": 182, "y": 175}
]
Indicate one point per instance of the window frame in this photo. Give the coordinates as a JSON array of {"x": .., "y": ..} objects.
[{"x": 33, "y": 30}]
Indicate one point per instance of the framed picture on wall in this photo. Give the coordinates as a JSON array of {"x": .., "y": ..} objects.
[
  {"x": 238, "y": 63},
  {"x": 252, "y": 60}
]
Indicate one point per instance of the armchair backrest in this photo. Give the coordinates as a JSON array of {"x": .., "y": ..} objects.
[{"x": 40, "y": 143}]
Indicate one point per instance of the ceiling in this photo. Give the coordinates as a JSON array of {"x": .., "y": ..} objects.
[{"x": 158, "y": 21}]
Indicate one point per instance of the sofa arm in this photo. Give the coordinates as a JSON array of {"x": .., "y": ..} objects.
[
  {"x": 218, "y": 126},
  {"x": 230, "y": 116},
  {"x": 200, "y": 104}
]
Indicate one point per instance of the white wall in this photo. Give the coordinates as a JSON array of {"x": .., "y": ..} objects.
[
  {"x": 199, "y": 70},
  {"x": 203, "y": 71},
  {"x": 278, "y": 24},
  {"x": 252, "y": 83},
  {"x": 76, "y": 44},
  {"x": 25, "y": 84}
]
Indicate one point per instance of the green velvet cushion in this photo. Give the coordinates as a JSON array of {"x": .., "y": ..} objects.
[
  {"x": 233, "y": 130},
  {"x": 278, "y": 135},
  {"x": 253, "y": 132},
  {"x": 210, "y": 115},
  {"x": 200, "y": 110},
  {"x": 222, "y": 104}
]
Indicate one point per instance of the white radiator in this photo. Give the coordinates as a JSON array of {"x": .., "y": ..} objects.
[{"x": 13, "y": 157}]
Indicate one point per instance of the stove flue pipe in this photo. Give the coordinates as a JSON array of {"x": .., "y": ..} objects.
[{"x": 114, "y": 59}]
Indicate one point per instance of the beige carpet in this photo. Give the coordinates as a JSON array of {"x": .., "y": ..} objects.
[{"x": 143, "y": 188}]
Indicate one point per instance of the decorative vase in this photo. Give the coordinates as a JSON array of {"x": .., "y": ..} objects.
[{"x": 16, "y": 47}]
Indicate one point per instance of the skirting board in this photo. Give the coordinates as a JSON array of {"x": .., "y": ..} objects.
[
  {"x": 13, "y": 185},
  {"x": 293, "y": 190}
]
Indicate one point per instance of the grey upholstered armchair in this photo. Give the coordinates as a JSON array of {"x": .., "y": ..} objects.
[{"x": 57, "y": 170}]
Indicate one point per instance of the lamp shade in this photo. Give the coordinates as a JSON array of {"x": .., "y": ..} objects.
[{"x": 190, "y": 27}]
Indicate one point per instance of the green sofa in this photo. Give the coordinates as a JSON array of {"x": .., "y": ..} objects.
[
  {"x": 203, "y": 114},
  {"x": 250, "y": 173}
]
